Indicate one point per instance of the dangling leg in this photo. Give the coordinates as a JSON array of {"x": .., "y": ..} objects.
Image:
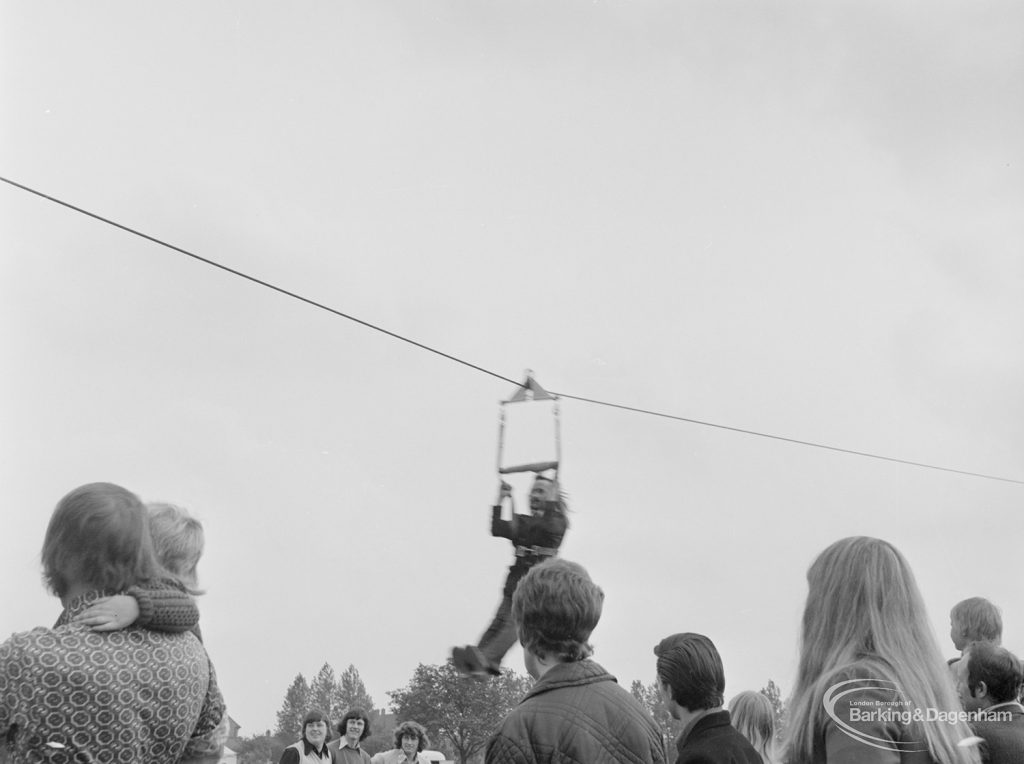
[
  {"x": 501, "y": 634},
  {"x": 485, "y": 659},
  {"x": 499, "y": 637}
]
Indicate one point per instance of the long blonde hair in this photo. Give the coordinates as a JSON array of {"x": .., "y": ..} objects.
[
  {"x": 752, "y": 715},
  {"x": 864, "y": 610}
]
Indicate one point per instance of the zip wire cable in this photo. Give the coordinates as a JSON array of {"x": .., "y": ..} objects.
[
  {"x": 788, "y": 440},
  {"x": 420, "y": 345},
  {"x": 255, "y": 280}
]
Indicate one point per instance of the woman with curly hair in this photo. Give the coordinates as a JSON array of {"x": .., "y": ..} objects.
[
  {"x": 410, "y": 740},
  {"x": 871, "y": 687}
]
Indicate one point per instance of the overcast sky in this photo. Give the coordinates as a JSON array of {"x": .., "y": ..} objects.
[{"x": 797, "y": 218}]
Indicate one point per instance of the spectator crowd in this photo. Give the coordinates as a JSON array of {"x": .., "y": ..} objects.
[{"x": 123, "y": 675}]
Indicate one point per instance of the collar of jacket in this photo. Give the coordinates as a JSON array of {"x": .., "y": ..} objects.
[
  {"x": 572, "y": 674},
  {"x": 309, "y": 748},
  {"x": 710, "y": 718}
]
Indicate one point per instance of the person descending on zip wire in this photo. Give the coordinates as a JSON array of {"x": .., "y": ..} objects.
[{"x": 536, "y": 537}]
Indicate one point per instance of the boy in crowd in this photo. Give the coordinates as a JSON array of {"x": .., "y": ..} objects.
[
  {"x": 974, "y": 619},
  {"x": 575, "y": 711},
  {"x": 165, "y": 604}
]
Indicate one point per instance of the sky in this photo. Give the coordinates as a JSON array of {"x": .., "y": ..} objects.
[{"x": 799, "y": 219}]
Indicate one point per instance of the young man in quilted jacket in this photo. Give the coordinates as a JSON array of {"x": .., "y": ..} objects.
[{"x": 576, "y": 711}]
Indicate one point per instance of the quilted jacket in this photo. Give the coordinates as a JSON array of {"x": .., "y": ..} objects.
[{"x": 577, "y": 712}]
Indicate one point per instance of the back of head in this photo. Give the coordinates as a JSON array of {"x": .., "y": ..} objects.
[
  {"x": 753, "y": 716},
  {"x": 862, "y": 600},
  {"x": 98, "y": 537},
  {"x": 998, "y": 668},
  {"x": 556, "y": 608},
  {"x": 178, "y": 540},
  {"x": 864, "y": 612},
  {"x": 977, "y": 620},
  {"x": 692, "y": 668}
]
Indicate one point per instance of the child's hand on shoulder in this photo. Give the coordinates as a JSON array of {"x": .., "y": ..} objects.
[{"x": 109, "y": 613}]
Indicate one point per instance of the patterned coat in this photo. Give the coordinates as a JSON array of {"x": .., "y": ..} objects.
[{"x": 68, "y": 694}]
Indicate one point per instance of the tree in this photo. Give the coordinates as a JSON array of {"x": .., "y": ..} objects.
[
  {"x": 650, "y": 698},
  {"x": 260, "y": 749},
  {"x": 350, "y": 692},
  {"x": 296, "y": 703},
  {"x": 382, "y": 732},
  {"x": 463, "y": 712},
  {"x": 774, "y": 694},
  {"x": 322, "y": 691}
]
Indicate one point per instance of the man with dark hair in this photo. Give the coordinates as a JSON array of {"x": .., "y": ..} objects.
[
  {"x": 575, "y": 711},
  {"x": 354, "y": 728},
  {"x": 71, "y": 694},
  {"x": 536, "y": 537},
  {"x": 989, "y": 680},
  {"x": 691, "y": 681}
]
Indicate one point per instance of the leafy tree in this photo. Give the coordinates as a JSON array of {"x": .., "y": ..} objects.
[
  {"x": 322, "y": 691},
  {"x": 650, "y": 698},
  {"x": 382, "y": 733},
  {"x": 774, "y": 694},
  {"x": 329, "y": 693},
  {"x": 350, "y": 692},
  {"x": 260, "y": 749},
  {"x": 296, "y": 703},
  {"x": 461, "y": 711}
]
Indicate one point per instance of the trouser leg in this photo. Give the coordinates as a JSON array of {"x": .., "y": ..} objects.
[{"x": 501, "y": 634}]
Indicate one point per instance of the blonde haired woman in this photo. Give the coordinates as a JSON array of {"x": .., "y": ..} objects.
[
  {"x": 872, "y": 687},
  {"x": 752, "y": 715}
]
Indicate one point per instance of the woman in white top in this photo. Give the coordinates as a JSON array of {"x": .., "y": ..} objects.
[{"x": 312, "y": 748}]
